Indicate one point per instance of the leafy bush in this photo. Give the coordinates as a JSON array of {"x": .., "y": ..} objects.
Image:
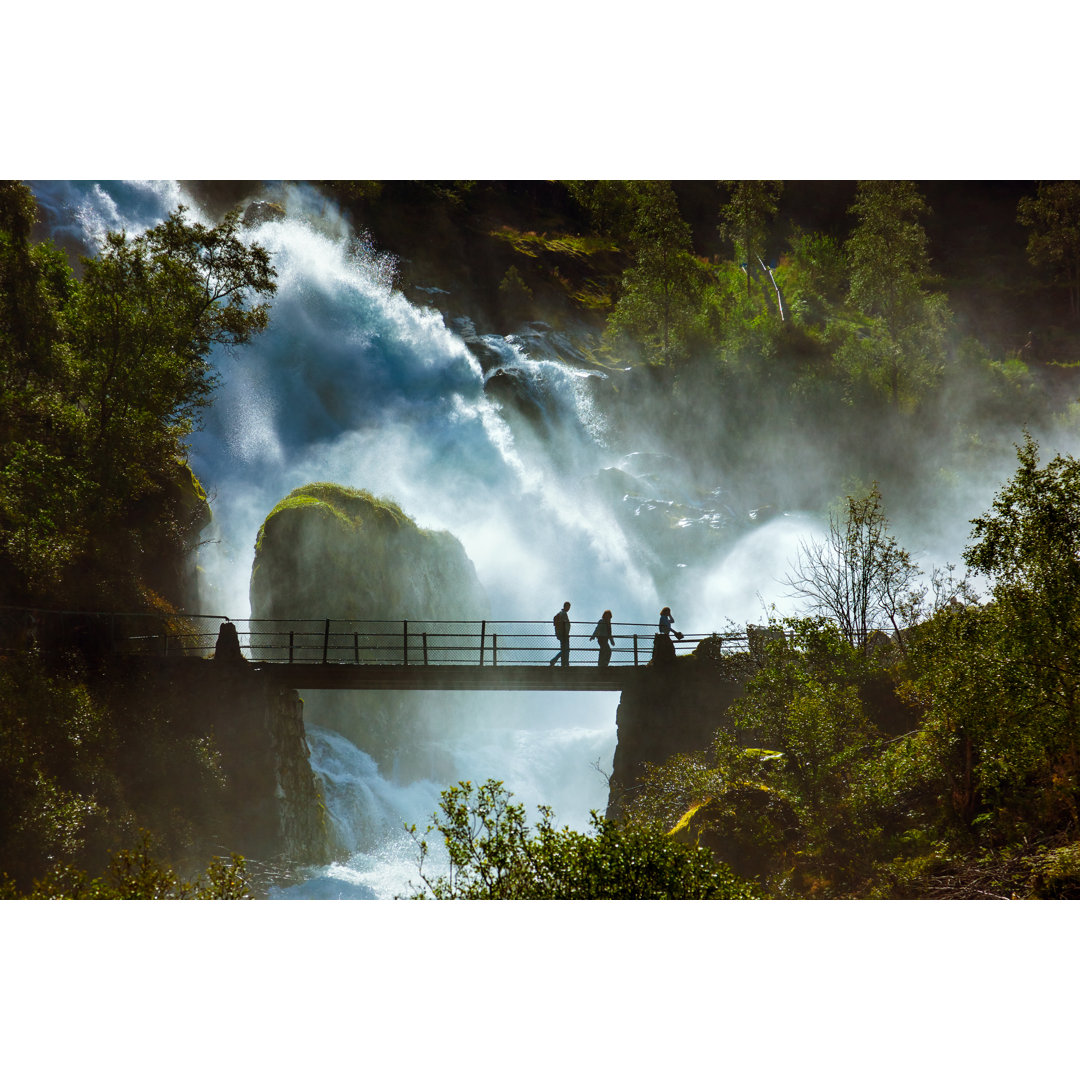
[
  {"x": 495, "y": 855},
  {"x": 137, "y": 875}
]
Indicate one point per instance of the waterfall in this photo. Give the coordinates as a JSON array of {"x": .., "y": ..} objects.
[{"x": 354, "y": 384}]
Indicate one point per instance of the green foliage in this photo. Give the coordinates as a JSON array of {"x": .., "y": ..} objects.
[
  {"x": 745, "y": 218},
  {"x": 660, "y": 300},
  {"x": 147, "y": 313},
  {"x": 814, "y": 276},
  {"x": 612, "y": 206},
  {"x": 1053, "y": 217},
  {"x": 86, "y": 760},
  {"x": 53, "y": 740},
  {"x": 889, "y": 267},
  {"x": 495, "y": 855},
  {"x": 101, "y": 381},
  {"x": 799, "y": 788},
  {"x": 1001, "y": 681},
  {"x": 830, "y": 807},
  {"x": 514, "y": 293},
  {"x": 887, "y": 251},
  {"x": 138, "y": 875},
  {"x": 1057, "y": 873}
]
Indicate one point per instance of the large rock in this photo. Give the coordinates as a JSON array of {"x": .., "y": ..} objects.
[{"x": 329, "y": 552}]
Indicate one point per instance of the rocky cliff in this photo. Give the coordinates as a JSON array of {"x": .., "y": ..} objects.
[
  {"x": 238, "y": 776},
  {"x": 675, "y": 709}
]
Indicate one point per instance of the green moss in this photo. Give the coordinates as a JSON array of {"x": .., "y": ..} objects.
[
  {"x": 534, "y": 244},
  {"x": 344, "y": 552},
  {"x": 351, "y": 507}
]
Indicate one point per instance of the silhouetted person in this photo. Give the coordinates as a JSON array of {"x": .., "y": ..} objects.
[
  {"x": 602, "y": 635},
  {"x": 663, "y": 646},
  {"x": 562, "y": 632},
  {"x": 228, "y": 645}
]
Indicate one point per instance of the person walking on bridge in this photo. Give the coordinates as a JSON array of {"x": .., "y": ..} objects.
[
  {"x": 602, "y": 635},
  {"x": 562, "y": 632}
]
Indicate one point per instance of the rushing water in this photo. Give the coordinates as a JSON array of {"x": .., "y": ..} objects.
[{"x": 352, "y": 383}]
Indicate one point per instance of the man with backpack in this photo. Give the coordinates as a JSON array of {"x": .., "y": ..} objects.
[{"x": 562, "y": 632}]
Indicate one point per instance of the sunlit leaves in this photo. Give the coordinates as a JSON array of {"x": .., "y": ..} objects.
[{"x": 496, "y": 855}]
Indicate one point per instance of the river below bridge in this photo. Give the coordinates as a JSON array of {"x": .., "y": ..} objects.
[{"x": 547, "y": 749}]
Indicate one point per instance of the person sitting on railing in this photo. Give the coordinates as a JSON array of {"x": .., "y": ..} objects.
[
  {"x": 228, "y": 644},
  {"x": 663, "y": 646},
  {"x": 602, "y": 636}
]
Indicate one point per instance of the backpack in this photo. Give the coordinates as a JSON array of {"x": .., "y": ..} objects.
[{"x": 555, "y": 622}]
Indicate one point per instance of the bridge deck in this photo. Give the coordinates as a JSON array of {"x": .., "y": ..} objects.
[
  {"x": 449, "y": 677},
  {"x": 406, "y": 677}
]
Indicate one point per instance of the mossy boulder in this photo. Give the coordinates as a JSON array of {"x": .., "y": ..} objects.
[{"x": 328, "y": 551}]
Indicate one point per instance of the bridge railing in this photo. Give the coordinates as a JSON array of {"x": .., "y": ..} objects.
[
  {"x": 430, "y": 642},
  {"x": 494, "y": 643}
]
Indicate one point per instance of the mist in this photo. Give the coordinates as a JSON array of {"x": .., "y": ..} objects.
[{"x": 558, "y": 487}]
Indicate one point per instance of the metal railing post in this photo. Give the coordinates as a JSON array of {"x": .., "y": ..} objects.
[
  {"x": 356, "y": 647},
  {"x": 405, "y": 638},
  {"x": 423, "y": 638},
  {"x": 483, "y": 632},
  {"x": 291, "y": 634},
  {"x": 326, "y": 641},
  {"x": 635, "y": 650},
  {"x": 494, "y": 650}
]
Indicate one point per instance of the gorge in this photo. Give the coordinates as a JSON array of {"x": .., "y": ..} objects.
[
  {"x": 354, "y": 385},
  {"x": 553, "y": 467}
]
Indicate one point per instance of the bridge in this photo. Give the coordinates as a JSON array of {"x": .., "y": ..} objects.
[{"x": 359, "y": 654}]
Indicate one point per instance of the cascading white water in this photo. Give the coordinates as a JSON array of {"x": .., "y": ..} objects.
[{"x": 353, "y": 384}]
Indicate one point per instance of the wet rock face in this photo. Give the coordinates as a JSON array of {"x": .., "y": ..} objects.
[
  {"x": 261, "y": 211},
  {"x": 333, "y": 552}
]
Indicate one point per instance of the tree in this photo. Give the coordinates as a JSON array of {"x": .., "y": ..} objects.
[
  {"x": 102, "y": 382},
  {"x": 35, "y": 283},
  {"x": 662, "y": 292},
  {"x": 612, "y": 206},
  {"x": 745, "y": 220},
  {"x": 889, "y": 267},
  {"x": 815, "y": 278},
  {"x": 887, "y": 251},
  {"x": 1053, "y": 216},
  {"x": 146, "y": 316},
  {"x": 1028, "y": 545},
  {"x": 495, "y": 855},
  {"x": 1001, "y": 682},
  {"x": 776, "y": 795},
  {"x": 858, "y": 574}
]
